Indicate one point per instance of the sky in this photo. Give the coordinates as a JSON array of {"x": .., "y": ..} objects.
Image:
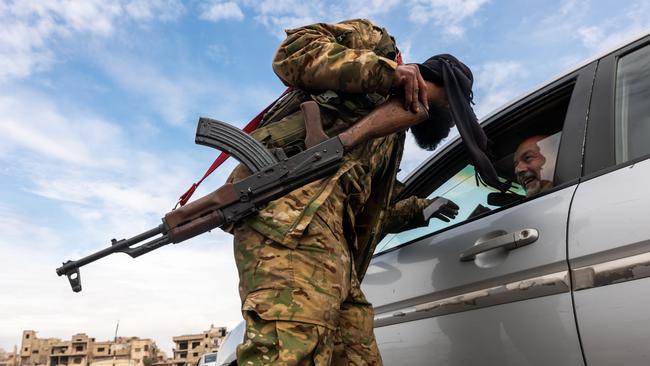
[{"x": 99, "y": 102}]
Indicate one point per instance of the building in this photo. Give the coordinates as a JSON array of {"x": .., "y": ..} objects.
[
  {"x": 35, "y": 351},
  {"x": 190, "y": 347},
  {"x": 9, "y": 358},
  {"x": 82, "y": 350}
]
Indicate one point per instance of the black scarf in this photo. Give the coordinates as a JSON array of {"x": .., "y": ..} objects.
[{"x": 457, "y": 79}]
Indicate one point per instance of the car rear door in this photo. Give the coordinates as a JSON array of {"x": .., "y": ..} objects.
[
  {"x": 504, "y": 307},
  {"x": 609, "y": 228}
]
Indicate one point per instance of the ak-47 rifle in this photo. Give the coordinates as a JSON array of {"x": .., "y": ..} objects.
[{"x": 272, "y": 176}]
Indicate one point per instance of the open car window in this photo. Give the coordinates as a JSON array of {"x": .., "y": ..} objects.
[
  {"x": 466, "y": 192},
  {"x": 531, "y": 140}
]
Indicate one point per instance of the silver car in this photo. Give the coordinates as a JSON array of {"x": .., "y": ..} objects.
[{"x": 555, "y": 278}]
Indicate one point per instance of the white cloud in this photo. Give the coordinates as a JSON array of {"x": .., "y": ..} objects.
[
  {"x": 498, "y": 83},
  {"x": 278, "y": 15},
  {"x": 573, "y": 22},
  {"x": 45, "y": 131},
  {"x": 90, "y": 182},
  {"x": 31, "y": 28},
  {"x": 164, "y": 10},
  {"x": 217, "y": 10},
  {"x": 448, "y": 14},
  {"x": 178, "y": 289},
  {"x": 170, "y": 94},
  {"x": 369, "y": 8}
]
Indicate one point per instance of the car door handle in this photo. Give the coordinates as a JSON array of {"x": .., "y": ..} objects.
[{"x": 507, "y": 241}]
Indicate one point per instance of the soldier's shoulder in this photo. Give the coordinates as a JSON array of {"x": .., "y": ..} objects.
[{"x": 364, "y": 21}]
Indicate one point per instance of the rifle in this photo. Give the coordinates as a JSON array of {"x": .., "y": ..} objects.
[{"x": 273, "y": 175}]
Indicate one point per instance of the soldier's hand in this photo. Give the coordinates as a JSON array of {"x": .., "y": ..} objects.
[
  {"x": 442, "y": 209},
  {"x": 415, "y": 88}
]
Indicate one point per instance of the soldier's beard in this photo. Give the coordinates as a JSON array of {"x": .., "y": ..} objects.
[{"x": 429, "y": 133}]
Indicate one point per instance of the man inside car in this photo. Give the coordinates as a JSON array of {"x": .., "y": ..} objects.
[{"x": 534, "y": 165}]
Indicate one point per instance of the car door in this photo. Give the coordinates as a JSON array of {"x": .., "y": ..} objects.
[
  {"x": 609, "y": 228},
  {"x": 499, "y": 307}
]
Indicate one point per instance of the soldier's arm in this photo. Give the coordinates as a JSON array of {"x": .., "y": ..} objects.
[
  {"x": 320, "y": 57},
  {"x": 406, "y": 214}
]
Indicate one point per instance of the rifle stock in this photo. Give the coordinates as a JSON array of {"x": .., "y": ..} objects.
[{"x": 271, "y": 178}]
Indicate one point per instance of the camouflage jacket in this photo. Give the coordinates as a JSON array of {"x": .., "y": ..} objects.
[{"x": 348, "y": 69}]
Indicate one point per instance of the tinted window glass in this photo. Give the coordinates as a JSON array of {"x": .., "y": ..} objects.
[
  {"x": 462, "y": 188},
  {"x": 210, "y": 358},
  {"x": 533, "y": 163},
  {"x": 633, "y": 105}
]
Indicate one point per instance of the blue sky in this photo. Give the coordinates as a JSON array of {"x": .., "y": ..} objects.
[{"x": 98, "y": 107}]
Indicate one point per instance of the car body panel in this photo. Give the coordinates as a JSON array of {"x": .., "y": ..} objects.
[
  {"x": 430, "y": 270},
  {"x": 610, "y": 226},
  {"x": 498, "y": 335}
]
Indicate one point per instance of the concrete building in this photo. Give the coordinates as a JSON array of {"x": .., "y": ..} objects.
[
  {"x": 82, "y": 350},
  {"x": 35, "y": 351},
  {"x": 9, "y": 358},
  {"x": 190, "y": 347}
]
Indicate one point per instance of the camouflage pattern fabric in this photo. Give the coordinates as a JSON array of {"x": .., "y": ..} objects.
[
  {"x": 301, "y": 259},
  {"x": 303, "y": 304},
  {"x": 342, "y": 56}
]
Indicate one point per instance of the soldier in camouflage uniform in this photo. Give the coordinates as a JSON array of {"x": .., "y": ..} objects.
[{"x": 302, "y": 258}]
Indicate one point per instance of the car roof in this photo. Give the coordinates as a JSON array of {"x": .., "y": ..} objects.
[{"x": 455, "y": 137}]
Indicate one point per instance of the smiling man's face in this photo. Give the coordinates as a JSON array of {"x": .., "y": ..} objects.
[{"x": 528, "y": 163}]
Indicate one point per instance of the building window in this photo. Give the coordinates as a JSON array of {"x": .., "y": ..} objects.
[
  {"x": 182, "y": 345},
  {"x": 146, "y": 347},
  {"x": 27, "y": 336},
  {"x": 101, "y": 349},
  {"x": 35, "y": 352},
  {"x": 138, "y": 349},
  {"x": 26, "y": 349},
  {"x": 195, "y": 354},
  {"x": 195, "y": 344},
  {"x": 77, "y": 360},
  {"x": 183, "y": 355},
  {"x": 79, "y": 348}
]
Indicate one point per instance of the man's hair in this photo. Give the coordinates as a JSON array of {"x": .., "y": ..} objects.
[{"x": 429, "y": 133}]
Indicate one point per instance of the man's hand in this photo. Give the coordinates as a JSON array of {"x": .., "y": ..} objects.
[
  {"x": 441, "y": 208},
  {"x": 415, "y": 88}
]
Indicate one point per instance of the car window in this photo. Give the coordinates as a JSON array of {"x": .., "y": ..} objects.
[
  {"x": 466, "y": 192},
  {"x": 529, "y": 134},
  {"x": 210, "y": 358},
  {"x": 632, "y": 130}
]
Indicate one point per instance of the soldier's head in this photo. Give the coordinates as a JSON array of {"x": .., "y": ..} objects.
[
  {"x": 444, "y": 73},
  {"x": 529, "y": 163},
  {"x": 429, "y": 133}
]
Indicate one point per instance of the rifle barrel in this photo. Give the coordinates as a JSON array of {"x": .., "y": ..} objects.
[{"x": 117, "y": 246}]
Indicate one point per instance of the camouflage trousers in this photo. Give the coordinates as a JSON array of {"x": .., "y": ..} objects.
[{"x": 302, "y": 303}]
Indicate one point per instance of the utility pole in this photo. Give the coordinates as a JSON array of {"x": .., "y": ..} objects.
[
  {"x": 114, "y": 348},
  {"x": 116, "y": 328}
]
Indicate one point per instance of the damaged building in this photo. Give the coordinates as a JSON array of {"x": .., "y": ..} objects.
[{"x": 82, "y": 350}]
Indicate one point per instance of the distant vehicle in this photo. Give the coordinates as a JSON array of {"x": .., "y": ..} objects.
[
  {"x": 208, "y": 359},
  {"x": 227, "y": 355},
  {"x": 558, "y": 278}
]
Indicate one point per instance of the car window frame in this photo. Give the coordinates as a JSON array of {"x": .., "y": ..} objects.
[
  {"x": 600, "y": 144},
  {"x": 443, "y": 165}
]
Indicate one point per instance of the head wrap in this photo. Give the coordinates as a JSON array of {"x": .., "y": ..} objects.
[{"x": 457, "y": 79}]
